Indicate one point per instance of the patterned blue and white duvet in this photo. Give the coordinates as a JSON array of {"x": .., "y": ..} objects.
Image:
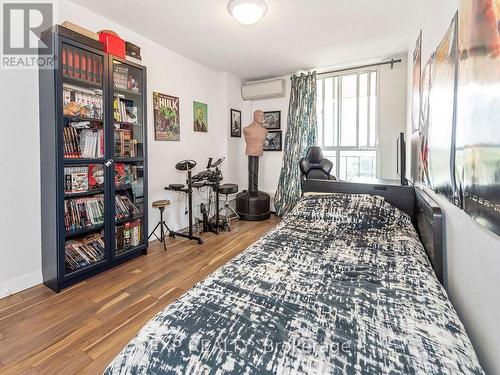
[{"x": 341, "y": 285}]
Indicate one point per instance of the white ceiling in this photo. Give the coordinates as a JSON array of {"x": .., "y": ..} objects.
[{"x": 293, "y": 35}]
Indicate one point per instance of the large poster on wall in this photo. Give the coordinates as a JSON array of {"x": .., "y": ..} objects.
[
  {"x": 416, "y": 89},
  {"x": 166, "y": 117},
  {"x": 478, "y": 112},
  {"x": 423, "y": 149},
  {"x": 442, "y": 106}
]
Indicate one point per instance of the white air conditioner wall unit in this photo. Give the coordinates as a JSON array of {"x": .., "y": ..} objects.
[{"x": 275, "y": 88}]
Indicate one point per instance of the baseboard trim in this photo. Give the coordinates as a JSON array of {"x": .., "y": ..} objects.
[{"x": 21, "y": 283}]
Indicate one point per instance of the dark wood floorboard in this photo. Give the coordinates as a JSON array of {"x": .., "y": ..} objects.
[{"x": 81, "y": 329}]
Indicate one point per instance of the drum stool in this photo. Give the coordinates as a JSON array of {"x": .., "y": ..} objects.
[
  {"x": 161, "y": 204},
  {"x": 226, "y": 189}
]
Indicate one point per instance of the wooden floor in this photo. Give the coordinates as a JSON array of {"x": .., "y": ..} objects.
[{"x": 81, "y": 329}]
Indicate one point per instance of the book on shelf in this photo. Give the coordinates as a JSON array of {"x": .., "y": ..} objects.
[
  {"x": 64, "y": 61},
  {"x": 81, "y": 213},
  {"x": 125, "y": 174},
  {"x": 124, "y": 207},
  {"x": 76, "y": 62},
  {"x": 96, "y": 176},
  {"x": 84, "y": 252},
  {"x": 128, "y": 235},
  {"x": 82, "y": 102},
  {"x": 69, "y": 52},
  {"x": 125, "y": 144},
  {"x": 122, "y": 80},
  {"x": 76, "y": 179},
  {"x": 120, "y": 76},
  {"x": 124, "y": 110},
  {"x": 82, "y": 65}
]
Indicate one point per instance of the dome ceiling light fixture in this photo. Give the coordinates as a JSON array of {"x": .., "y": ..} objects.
[{"x": 247, "y": 12}]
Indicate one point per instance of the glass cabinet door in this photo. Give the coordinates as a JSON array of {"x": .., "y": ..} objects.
[
  {"x": 129, "y": 207},
  {"x": 127, "y": 111},
  {"x": 129, "y": 169},
  {"x": 83, "y": 104},
  {"x": 83, "y": 149},
  {"x": 84, "y": 216}
]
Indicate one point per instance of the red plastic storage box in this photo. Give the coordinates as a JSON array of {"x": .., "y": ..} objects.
[{"x": 112, "y": 44}]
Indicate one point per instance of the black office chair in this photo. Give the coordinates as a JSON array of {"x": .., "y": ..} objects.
[{"x": 315, "y": 167}]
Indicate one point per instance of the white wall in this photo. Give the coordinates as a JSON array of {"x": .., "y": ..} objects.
[
  {"x": 237, "y": 160},
  {"x": 168, "y": 73},
  {"x": 20, "y": 230},
  {"x": 392, "y": 116},
  {"x": 472, "y": 274}
]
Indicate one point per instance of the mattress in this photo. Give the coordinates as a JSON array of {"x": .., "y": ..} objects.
[{"x": 341, "y": 285}]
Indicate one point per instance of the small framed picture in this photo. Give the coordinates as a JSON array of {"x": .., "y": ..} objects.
[
  {"x": 200, "y": 116},
  {"x": 273, "y": 141},
  {"x": 272, "y": 120},
  {"x": 235, "y": 119}
]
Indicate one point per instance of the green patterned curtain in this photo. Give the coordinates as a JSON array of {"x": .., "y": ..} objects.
[{"x": 300, "y": 135}]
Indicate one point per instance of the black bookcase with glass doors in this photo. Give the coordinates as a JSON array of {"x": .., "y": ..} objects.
[{"x": 93, "y": 162}]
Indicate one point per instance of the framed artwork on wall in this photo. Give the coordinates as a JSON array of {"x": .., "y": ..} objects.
[
  {"x": 416, "y": 90},
  {"x": 200, "y": 117},
  {"x": 273, "y": 141},
  {"x": 235, "y": 121},
  {"x": 166, "y": 117},
  {"x": 478, "y": 117},
  {"x": 272, "y": 120},
  {"x": 423, "y": 145},
  {"x": 441, "y": 128},
  {"x": 459, "y": 142}
]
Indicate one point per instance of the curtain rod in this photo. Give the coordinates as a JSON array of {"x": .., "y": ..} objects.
[{"x": 391, "y": 63}]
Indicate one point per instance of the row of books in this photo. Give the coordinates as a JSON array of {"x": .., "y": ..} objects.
[
  {"x": 128, "y": 236},
  {"x": 92, "y": 143},
  {"x": 86, "y": 178},
  {"x": 82, "y": 253},
  {"x": 71, "y": 143},
  {"x": 89, "y": 143},
  {"x": 125, "y": 144},
  {"x": 80, "y": 64},
  {"x": 86, "y": 143},
  {"x": 80, "y": 213},
  {"x": 86, "y": 212},
  {"x": 124, "y": 207},
  {"x": 124, "y": 110}
]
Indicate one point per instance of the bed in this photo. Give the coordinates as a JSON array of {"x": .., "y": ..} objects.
[{"x": 342, "y": 285}]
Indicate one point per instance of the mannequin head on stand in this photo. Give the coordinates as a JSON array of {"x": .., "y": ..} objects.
[{"x": 258, "y": 117}]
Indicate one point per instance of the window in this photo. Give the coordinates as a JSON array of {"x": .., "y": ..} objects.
[{"x": 347, "y": 122}]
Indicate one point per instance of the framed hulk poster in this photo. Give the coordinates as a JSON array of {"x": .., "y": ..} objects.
[{"x": 166, "y": 117}]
